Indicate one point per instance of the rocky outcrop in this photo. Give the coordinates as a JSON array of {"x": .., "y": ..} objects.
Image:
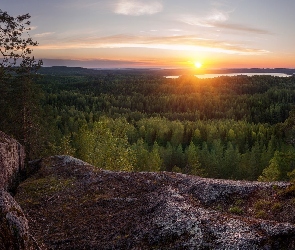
[
  {"x": 14, "y": 231},
  {"x": 72, "y": 205},
  {"x": 12, "y": 158}
]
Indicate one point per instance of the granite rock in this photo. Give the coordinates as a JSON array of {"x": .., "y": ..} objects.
[{"x": 72, "y": 205}]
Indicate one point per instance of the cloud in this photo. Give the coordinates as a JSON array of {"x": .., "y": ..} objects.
[
  {"x": 175, "y": 30},
  {"x": 217, "y": 16},
  {"x": 33, "y": 27},
  {"x": 98, "y": 63},
  {"x": 45, "y": 34},
  {"x": 137, "y": 7},
  {"x": 180, "y": 43},
  {"x": 209, "y": 20},
  {"x": 220, "y": 19},
  {"x": 242, "y": 28}
]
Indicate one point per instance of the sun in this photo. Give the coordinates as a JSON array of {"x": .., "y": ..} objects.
[{"x": 198, "y": 65}]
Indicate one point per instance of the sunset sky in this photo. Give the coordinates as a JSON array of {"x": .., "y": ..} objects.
[{"x": 161, "y": 33}]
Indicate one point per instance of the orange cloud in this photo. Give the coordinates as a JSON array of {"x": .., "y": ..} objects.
[{"x": 185, "y": 43}]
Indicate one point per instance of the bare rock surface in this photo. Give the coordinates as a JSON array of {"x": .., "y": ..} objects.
[
  {"x": 12, "y": 157},
  {"x": 14, "y": 230},
  {"x": 72, "y": 205}
]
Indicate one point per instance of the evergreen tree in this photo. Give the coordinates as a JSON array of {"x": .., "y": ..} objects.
[
  {"x": 142, "y": 156},
  {"x": 193, "y": 166},
  {"x": 231, "y": 161},
  {"x": 19, "y": 103},
  {"x": 272, "y": 172},
  {"x": 155, "y": 160}
]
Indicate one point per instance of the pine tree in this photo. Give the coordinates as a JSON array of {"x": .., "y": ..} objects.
[
  {"x": 19, "y": 94},
  {"x": 272, "y": 172},
  {"x": 155, "y": 159},
  {"x": 193, "y": 166}
]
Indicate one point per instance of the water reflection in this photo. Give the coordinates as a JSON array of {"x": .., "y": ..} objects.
[{"x": 204, "y": 76}]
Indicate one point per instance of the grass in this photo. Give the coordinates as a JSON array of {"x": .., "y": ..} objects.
[
  {"x": 236, "y": 210},
  {"x": 37, "y": 189},
  {"x": 237, "y": 207}
]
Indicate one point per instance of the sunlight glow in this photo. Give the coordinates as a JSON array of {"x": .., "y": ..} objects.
[{"x": 198, "y": 65}]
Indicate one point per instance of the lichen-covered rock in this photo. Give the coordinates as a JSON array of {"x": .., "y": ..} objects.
[
  {"x": 14, "y": 230},
  {"x": 12, "y": 157},
  {"x": 72, "y": 205}
]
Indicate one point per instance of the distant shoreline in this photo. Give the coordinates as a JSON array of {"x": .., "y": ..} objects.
[
  {"x": 205, "y": 76},
  {"x": 167, "y": 72}
]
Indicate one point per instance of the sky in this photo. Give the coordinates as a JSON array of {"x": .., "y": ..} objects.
[{"x": 161, "y": 33}]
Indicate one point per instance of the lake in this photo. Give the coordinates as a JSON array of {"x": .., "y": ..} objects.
[{"x": 204, "y": 76}]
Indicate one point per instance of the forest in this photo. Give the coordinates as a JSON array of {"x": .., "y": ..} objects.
[
  {"x": 227, "y": 127},
  {"x": 237, "y": 127}
]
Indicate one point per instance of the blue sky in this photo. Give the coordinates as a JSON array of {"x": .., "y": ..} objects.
[{"x": 161, "y": 33}]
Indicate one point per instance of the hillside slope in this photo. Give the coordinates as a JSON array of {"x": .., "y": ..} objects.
[{"x": 72, "y": 205}]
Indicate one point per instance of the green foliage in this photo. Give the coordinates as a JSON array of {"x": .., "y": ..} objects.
[
  {"x": 265, "y": 208},
  {"x": 65, "y": 146},
  {"x": 261, "y": 214},
  {"x": 155, "y": 159},
  {"x": 236, "y": 210},
  {"x": 228, "y": 127},
  {"x": 105, "y": 145},
  {"x": 20, "y": 97},
  {"x": 44, "y": 188},
  {"x": 289, "y": 127},
  {"x": 193, "y": 165},
  {"x": 145, "y": 160},
  {"x": 142, "y": 156},
  {"x": 291, "y": 176},
  {"x": 261, "y": 208},
  {"x": 272, "y": 172},
  {"x": 176, "y": 169},
  {"x": 289, "y": 192},
  {"x": 276, "y": 207},
  {"x": 237, "y": 207},
  {"x": 16, "y": 44},
  {"x": 262, "y": 204},
  {"x": 261, "y": 99},
  {"x": 281, "y": 166}
]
